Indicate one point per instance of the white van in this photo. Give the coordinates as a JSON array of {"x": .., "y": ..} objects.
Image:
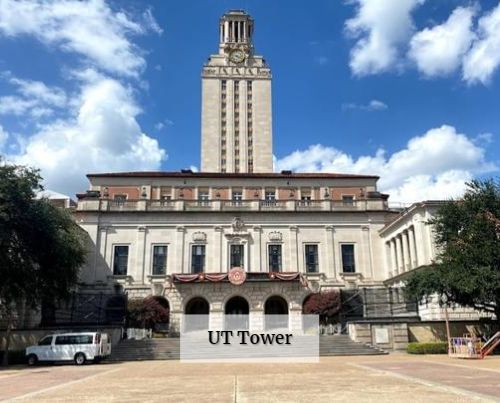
[{"x": 79, "y": 347}]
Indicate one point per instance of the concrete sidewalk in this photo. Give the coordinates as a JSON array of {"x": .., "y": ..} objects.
[{"x": 395, "y": 378}]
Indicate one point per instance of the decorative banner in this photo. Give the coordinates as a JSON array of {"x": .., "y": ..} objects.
[{"x": 237, "y": 276}]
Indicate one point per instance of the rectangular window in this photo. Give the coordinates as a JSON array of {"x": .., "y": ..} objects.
[
  {"x": 236, "y": 259},
  {"x": 348, "y": 200},
  {"x": 159, "y": 260},
  {"x": 237, "y": 197},
  {"x": 120, "y": 260},
  {"x": 203, "y": 197},
  {"x": 198, "y": 258},
  {"x": 270, "y": 195},
  {"x": 311, "y": 252},
  {"x": 348, "y": 263},
  {"x": 275, "y": 258}
]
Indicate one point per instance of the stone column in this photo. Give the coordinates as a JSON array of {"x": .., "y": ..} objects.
[
  {"x": 179, "y": 250},
  {"x": 399, "y": 254},
  {"x": 257, "y": 266},
  {"x": 103, "y": 240},
  {"x": 368, "y": 251},
  {"x": 293, "y": 249},
  {"x": 412, "y": 248},
  {"x": 140, "y": 254},
  {"x": 217, "y": 251},
  {"x": 420, "y": 240},
  {"x": 226, "y": 31},
  {"x": 329, "y": 263},
  {"x": 406, "y": 255},
  {"x": 393, "y": 260},
  {"x": 413, "y": 254}
]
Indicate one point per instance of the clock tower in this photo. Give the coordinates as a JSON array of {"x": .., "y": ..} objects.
[{"x": 236, "y": 117}]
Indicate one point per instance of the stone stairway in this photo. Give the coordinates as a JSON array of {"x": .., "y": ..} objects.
[
  {"x": 169, "y": 348},
  {"x": 342, "y": 345}
]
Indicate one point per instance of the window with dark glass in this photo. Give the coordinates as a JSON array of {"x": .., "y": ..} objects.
[
  {"x": 236, "y": 256},
  {"x": 203, "y": 197},
  {"x": 159, "y": 259},
  {"x": 311, "y": 252},
  {"x": 275, "y": 258},
  {"x": 120, "y": 261},
  {"x": 348, "y": 263},
  {"x": 348, "y": 200},
  {"x": 198, "y": 259}
]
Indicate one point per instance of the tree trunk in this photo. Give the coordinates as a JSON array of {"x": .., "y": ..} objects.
[{"x": 5, "y": 359}]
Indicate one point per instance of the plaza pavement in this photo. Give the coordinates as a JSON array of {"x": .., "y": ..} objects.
[{"x": 392, "y": 378}]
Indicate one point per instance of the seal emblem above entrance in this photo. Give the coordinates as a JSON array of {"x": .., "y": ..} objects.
[{"x": 237, "y": 276}]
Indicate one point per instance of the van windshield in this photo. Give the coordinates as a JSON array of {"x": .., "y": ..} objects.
[{"x": 46, "y": 341}]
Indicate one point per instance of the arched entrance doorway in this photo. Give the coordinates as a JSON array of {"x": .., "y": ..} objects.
[
  {"x": 197, "y": 306},
  {"x": 276, "y": 311},
  {"x": 236, "y": 310}
]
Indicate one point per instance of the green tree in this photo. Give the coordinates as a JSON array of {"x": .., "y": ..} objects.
[
  {"x": 41, "y": 247},
  {"x": 467, "y": 234}
]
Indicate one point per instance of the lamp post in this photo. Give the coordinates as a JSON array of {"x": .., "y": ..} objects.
[{"x": 444, "y": 300}]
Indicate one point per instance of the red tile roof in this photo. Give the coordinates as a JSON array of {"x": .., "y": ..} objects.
[{"x": 163, "y": 174}]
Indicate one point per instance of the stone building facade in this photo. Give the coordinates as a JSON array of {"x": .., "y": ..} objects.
[{"x": 237, "y": 238}]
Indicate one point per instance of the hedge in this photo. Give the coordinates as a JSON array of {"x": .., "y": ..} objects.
[
  {"x": 15, "y": 357},
  {"x": 428, "y": 348}
]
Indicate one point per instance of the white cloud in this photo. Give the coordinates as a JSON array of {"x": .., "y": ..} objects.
[
  {"x": 373, "y": 106},
  {"x": 483, "y": 59},
  {"x": 13, "y": 105},
  {"x": 103, "y": 136},
  {"x": 439, "y": 50},
  {"x": 40, "y": 92},
  {"x": 95, "y": 128},
  {"x": 3, "y": 137},
  {"x": 380, "y": 27},
  {"x": 33, "y": 98},
  {"x": 434, "y": 165},
  {"x": 89, "y": 28}
]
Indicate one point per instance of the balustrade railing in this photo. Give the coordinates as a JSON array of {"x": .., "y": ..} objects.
[{"x": 230, "y": 205}]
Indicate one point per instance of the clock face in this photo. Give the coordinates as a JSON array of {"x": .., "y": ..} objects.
[{"x": 237, "y": 56}]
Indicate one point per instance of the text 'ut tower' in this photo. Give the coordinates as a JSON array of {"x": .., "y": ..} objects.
[{"x": 236, "y": 103}]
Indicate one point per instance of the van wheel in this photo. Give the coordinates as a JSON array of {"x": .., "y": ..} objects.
[
  {"x": 32, "y": 360},
  {"x": 80, "y": 359}
]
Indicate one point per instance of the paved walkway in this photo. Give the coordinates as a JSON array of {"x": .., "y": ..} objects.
[{"x": 395, "y": 378}]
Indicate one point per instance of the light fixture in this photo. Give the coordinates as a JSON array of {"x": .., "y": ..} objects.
[
  {"x": 256, "y": 194},
  {"x": 326, "y": 195}
]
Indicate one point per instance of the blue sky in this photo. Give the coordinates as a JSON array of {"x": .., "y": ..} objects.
[{"x": 407, "y": 89}]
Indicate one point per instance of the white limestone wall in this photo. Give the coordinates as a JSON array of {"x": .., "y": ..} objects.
[{"x": 179, "y": 231}]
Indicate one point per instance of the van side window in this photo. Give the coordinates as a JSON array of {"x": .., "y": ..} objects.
[
  {"x": 46, "y": 341},
  {"x": 80, "y": 339}
]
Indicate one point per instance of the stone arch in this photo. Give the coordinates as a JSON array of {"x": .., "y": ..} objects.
[
  {"x": 236, "y": 304},
  {"x": 276, "y": 305},
  {"x": 236, "y": 313},
  {"x": 197, "y": 306},
  {"x": 196, "y": 312},
  {"x": 276, "y": 311}
]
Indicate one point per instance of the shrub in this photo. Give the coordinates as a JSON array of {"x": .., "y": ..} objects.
[
  {"x": 145, "y": 313},
  {"x": 325, "y": 304},
  {"x": 15, "y": 357},
  {"x": 439, "y": 347}
]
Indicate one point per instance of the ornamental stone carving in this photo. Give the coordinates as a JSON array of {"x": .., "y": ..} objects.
[
  {"x": 237, "y": 224},
  {"x": 199, "y": 237},
  {"x": 275, "y": 236}
]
